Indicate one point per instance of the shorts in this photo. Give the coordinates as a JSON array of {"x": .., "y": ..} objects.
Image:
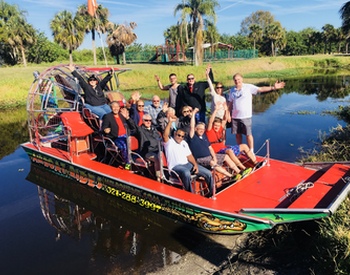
[
  {"x": 206, "y": 160},
  {"x": 241, "y": 126},
  {"x": 234, "y": 148}
]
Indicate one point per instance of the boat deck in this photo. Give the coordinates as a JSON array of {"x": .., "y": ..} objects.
[{"x": 265, "y": 188}]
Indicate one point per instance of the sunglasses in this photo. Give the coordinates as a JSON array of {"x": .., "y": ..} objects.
[
  {"x": 190, "y": 78},
  {"x": 140, "y": 105},
  {"x": 186, "y": 111},
  {"x": 147, "y": 120},
  {"x": 219, "y": 87},
  {"x": 156, "y": 100},
  {"x": 181, "y": 136}
]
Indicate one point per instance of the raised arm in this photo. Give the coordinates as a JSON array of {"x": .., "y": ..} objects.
[
  {"x": 211, "y": 119},
  {"x": 193, "y": 122},
  {"x": 105, "y": 80},
  {"x": 160, "y": 85},
  {"x": 210, "y": 83},
  {"x": 81, "y": 80},
  {"x": 131, "y": 123},
  {"x": 276, "y": 86},
  {"x": 166, "y": 133},
  {"x": 211, "y": 75}
]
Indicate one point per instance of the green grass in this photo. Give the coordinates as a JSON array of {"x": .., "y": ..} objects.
[{"x": 15, "y": 81}]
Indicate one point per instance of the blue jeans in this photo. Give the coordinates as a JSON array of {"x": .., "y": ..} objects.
[
  {"x": 184, "y": 171},
  {"x": 100, "y": 111},
  {"x": 123, "y": 147}
]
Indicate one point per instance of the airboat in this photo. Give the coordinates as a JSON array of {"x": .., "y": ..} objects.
[{"x": 65, "y": 139}]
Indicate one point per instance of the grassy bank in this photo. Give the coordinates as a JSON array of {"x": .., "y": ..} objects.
[
  {"x": 15, "y": 81},
  {"x": 314, "y": 247}
]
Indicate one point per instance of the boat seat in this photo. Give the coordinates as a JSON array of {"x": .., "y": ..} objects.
[
  {"x": 169, "y": 176},
  {"x": 91, "y": 119},
  {"x": 136, "y": 160},
  {"x": 94, "y": 123},
  {"x": 112, "y": 151},
  {"x": 198, "y": 184},
  {"x": 78, "y": 133}
]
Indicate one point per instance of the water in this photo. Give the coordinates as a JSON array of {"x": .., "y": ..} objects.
[{"x": 50, "y": 225}]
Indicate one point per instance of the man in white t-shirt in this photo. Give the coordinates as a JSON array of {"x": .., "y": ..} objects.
[
  {"x": 180, "y": 159},
  {"x": 241, "y": 107}
]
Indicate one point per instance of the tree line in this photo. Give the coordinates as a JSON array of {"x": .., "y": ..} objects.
[{"x": 21, "y": 43}]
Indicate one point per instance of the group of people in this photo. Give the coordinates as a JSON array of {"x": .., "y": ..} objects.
[{"x": 190, "y": 144}]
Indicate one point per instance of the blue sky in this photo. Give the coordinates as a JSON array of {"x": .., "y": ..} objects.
[{"x": 154, "y": 16}]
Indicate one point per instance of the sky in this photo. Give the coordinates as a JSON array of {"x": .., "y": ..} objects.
[{"x": 155, "y": 16}]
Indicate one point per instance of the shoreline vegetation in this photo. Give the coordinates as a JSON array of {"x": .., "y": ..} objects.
[
  {"x": 15, "y": 81},
  {"x": 321, "y": 247}
]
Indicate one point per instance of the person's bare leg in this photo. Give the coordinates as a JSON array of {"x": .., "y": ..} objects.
[
  {"x": 234, "y": 158},
  {"x": 250, "y": 141},
  {"x": 222, "y": 170},
  {"x": 244, "y": 148},
  {"x": 239, "y": 138}
]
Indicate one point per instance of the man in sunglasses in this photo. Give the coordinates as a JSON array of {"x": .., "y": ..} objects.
[
  {"x": 154, "y": 109},
  {"x": 148, "y": 138},
  {"x": 194, "y": 94},
  {"x": 181, "y": 160}
]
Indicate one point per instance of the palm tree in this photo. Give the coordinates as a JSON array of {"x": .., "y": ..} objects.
[
  {"x": 21, "y": 35},
  {"x": 345, "y": 17},
  {"x": 121, "y": 36},
  {"x": 95, "y": 23},
  {"x": 328, "y": 36},
  {"x": 172, "y": 34},
  {"x": 68, "y": 32},
  {"x": 212, "y": 36},
  {"x": 16, "y": 32},
  {"x": 255, "y": 33},
  {"x": 275, "y": 34},
  {"x": 197, "y": 10}
]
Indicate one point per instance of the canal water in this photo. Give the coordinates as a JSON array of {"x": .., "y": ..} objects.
[{"x": 50, "y": 225}]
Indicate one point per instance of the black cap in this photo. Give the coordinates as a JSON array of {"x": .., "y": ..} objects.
[{"x": 92, "y": 77}]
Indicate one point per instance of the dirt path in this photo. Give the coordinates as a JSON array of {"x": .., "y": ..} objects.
[{"x": 216, "y": 255}]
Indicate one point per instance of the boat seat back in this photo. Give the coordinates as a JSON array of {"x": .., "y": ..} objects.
[
  {"x": 133, "y": 143},
  {"x": 78, "y": 132},
  {"x": 169, "y": 176},
  {"x": 112, "y": 152},
  {"x": 91, "y": 119},
  {"x": 139, "y": 163},
  {"x": 76, "y": 125},
  {"x": 68, "y": 95},
  {"x": 198, "y": 185}
]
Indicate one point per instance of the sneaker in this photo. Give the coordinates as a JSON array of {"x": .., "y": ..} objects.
[
  {"x": 246, "y": 172},
  {"x": 236, "y": 177},
  {"x": 127, "y": 166},
  {"x": 260, "y": 164}
]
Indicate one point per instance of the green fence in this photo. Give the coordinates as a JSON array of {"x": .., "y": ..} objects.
[{"x": 220, "y": 54}]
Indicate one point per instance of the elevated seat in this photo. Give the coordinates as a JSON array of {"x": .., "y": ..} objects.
[
  {"x": 78, "y": 133},
  {"x": 91, "y": 119}
]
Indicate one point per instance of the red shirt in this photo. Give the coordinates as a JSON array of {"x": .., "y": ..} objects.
[
  {"x": 141, "y": 117},
  {"x": 216, "y": 139},
  {"x": 121, "y": 130}
]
